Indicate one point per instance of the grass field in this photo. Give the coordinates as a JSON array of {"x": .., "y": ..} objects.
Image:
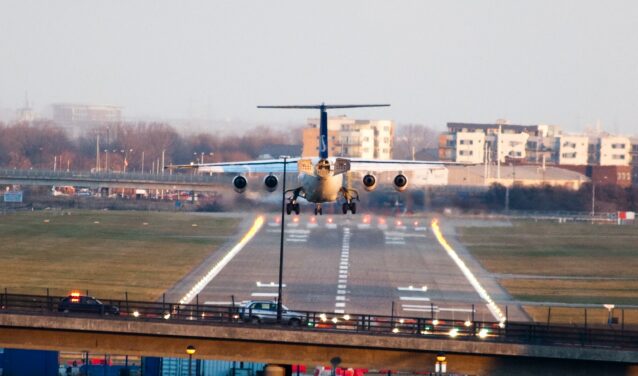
[
  {"x": 594, "y": 264},
  {"x": 106, "y": 253}
]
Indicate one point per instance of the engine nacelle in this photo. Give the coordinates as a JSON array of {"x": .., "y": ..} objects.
[
  {"x": 270, "y": 182},
  {"x": 239, "y": 184},
  {"x": 369, "y": 182},
  {"x": 400, "y": 182}
]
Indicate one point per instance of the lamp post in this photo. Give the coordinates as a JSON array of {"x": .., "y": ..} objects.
[
  {"x": 281, "y": 244},
  {"x": 190, "y": 350}
]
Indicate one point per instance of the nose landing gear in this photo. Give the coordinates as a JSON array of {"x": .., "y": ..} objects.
[
  {"x": 349, "y": 195},
  {"x": 318, "y": 209}
]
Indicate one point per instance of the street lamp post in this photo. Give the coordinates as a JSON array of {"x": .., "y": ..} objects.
[
  {"x": 190, "y": 350},
  {"x": 281, "y": 244}
]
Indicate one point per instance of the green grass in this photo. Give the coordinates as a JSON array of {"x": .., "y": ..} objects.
[
  {"x": 565, "y": 250},
  {"x": 119, "y": 253}
]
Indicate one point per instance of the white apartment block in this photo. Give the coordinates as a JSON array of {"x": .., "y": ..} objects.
[
  {"x": 572, "y": 150},
  {"x": 511, "y": 146},
  {"x": 614, "y": 151},
  {"x": 470, "y": 147},
  {"x": 351, "y": 138}
]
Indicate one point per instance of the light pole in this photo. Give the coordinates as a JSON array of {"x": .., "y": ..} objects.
[
  {"x": 281, "y": 243},
  {"x": 190, "y": 350},
  {"x": 440, "y": 367}
]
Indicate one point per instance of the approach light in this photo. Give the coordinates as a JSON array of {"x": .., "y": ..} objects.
[
  {"x": 167, "y": 315},
  {"x": 435, "y": 322},
  {"x": 467, "y": 323},
  {"x": 346, "y": 317},
  {"x": 323, "y": 317},
  {"x": 454, "y": 332},
  {"x": 335, "y": 320},
  {"x": 136, "y": 314},
  {"x": 395, "y": 330}
]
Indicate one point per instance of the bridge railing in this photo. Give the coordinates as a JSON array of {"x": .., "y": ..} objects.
[{"x": 198, "y": 314}]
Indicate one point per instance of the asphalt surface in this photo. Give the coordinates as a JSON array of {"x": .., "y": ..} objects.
[{"x": 352, "y": 264}]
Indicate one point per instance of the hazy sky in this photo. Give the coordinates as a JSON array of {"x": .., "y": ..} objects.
[{"x": 560, "y": 62}]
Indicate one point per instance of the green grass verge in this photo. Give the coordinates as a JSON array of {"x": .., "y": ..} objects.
[
  {"x": 565, "y": 250},
  {"x": 107, "y": 253}
]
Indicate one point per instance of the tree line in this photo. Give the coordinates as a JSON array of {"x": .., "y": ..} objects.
[{"x": 139, "y": 146}]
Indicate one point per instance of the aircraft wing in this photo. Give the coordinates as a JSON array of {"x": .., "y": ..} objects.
[
  {"x": 375, "y": 165},
  {"x": 245, "y": 167}
]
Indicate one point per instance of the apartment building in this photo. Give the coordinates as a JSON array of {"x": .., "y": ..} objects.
[
  {"x": 351, "y": 138},
  {"x": 572, "y": 150},
  {"x": 613, "y": 151}
]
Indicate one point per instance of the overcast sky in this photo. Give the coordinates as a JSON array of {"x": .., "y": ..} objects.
[{"x": 569, "y": 63}]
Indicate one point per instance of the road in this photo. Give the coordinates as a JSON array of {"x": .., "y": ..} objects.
[{"x": 351, "y": 264}]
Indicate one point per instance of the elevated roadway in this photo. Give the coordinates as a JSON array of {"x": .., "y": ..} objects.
[{"x": 100, "y": 180}]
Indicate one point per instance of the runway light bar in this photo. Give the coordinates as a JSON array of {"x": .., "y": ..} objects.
[{"x": 491, "y": 305}]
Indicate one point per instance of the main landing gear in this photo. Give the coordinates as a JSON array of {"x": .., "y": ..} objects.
[
  {"x": 293, "y": 205},
  {"x": 349, "y": 195}
]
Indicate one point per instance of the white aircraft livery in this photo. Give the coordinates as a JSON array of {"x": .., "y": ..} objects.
[{"x": 320, "y": 178}]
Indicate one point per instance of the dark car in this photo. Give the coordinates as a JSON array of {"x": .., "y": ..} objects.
[
  {"x": 86, "y": 304},
  {"x": 266, "y": 312}
]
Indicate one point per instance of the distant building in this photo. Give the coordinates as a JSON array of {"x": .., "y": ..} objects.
[
  {"x": 351, "y": 138},
  {"x": 571, "y": 150},
  {"x": 542, "y": 145},
  {"x": 74, "y": 114},
  {"x": 515, "y": 175},
  {"x": 613, "y": 151},
  {"x": 478, "y": 143}
]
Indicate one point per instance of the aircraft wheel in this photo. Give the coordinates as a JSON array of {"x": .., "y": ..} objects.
[
  {"x": 316, "y": 211},
  {"x": 344, "y": 208},
  {"x": 353, "y": 208},
  {"x": 320, "y": 211},
  {"x": 288, "y": 208},
  {"x": 296, "y": 208}
]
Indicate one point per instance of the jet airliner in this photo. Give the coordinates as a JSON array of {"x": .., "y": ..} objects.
[{"x": 320, "y": 178}]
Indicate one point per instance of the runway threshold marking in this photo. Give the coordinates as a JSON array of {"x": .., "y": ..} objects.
[
  {"x": 491, "y": 306},
  {"x": 214, "y": 271}
]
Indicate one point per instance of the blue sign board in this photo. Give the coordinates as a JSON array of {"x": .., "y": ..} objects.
[{"x": 13, "y": 196}]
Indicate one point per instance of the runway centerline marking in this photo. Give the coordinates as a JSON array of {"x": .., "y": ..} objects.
[{"x": 214, "y": 271}]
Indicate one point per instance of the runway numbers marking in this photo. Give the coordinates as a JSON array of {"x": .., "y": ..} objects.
[
  {"x": 394, "y": 238},
  {"x": 340, "y": 298}
]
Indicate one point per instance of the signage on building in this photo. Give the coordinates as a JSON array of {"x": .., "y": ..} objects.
[{"x": 13, "y": 196}]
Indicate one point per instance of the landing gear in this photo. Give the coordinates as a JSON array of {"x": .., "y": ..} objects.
[
  {"x": 349, "y": 206},
  {"x": 293, "y": 205},
  {"x": 318, "y": 209},
  {"x": 349, "y": 195}
]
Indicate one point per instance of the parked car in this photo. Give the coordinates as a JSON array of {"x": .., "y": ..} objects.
[
  {"x": 266, "y": 312},
  {"x": 86, "y": 304}
]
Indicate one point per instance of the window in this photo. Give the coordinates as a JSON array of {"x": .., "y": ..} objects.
[
  {"x": 617, "y": 146},
  {"x": 618, "y": 156},
  {"x": 466, "y": 152},
  {"x": 568, "y": 155},
  {"x": 466, "y": 142}
]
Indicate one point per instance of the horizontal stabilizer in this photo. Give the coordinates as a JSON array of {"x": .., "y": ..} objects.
[{"x": 326, "y": 106}]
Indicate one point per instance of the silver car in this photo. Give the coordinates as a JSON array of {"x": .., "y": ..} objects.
[{"x": 266, "y": 312}]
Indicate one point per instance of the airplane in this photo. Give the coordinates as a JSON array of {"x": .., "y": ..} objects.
[{"x": 320, "y": 178}]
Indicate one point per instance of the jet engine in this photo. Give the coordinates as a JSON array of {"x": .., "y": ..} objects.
[
  {"x": 270, "y": 182},
  {"x": 369, "y": 182},
  {"x": 400, "y": 182},
  {"x": 239, "y": 184}
]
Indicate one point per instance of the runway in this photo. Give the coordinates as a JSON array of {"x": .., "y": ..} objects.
[{"x": 350, "y": 264}]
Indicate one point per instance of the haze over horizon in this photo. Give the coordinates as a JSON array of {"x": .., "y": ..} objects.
[{"x": 570, "y": 63}]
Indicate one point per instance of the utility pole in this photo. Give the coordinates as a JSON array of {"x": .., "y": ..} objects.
[
  {"x": 163, "y": 150},
  {"x": 97, "y": 154}
]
